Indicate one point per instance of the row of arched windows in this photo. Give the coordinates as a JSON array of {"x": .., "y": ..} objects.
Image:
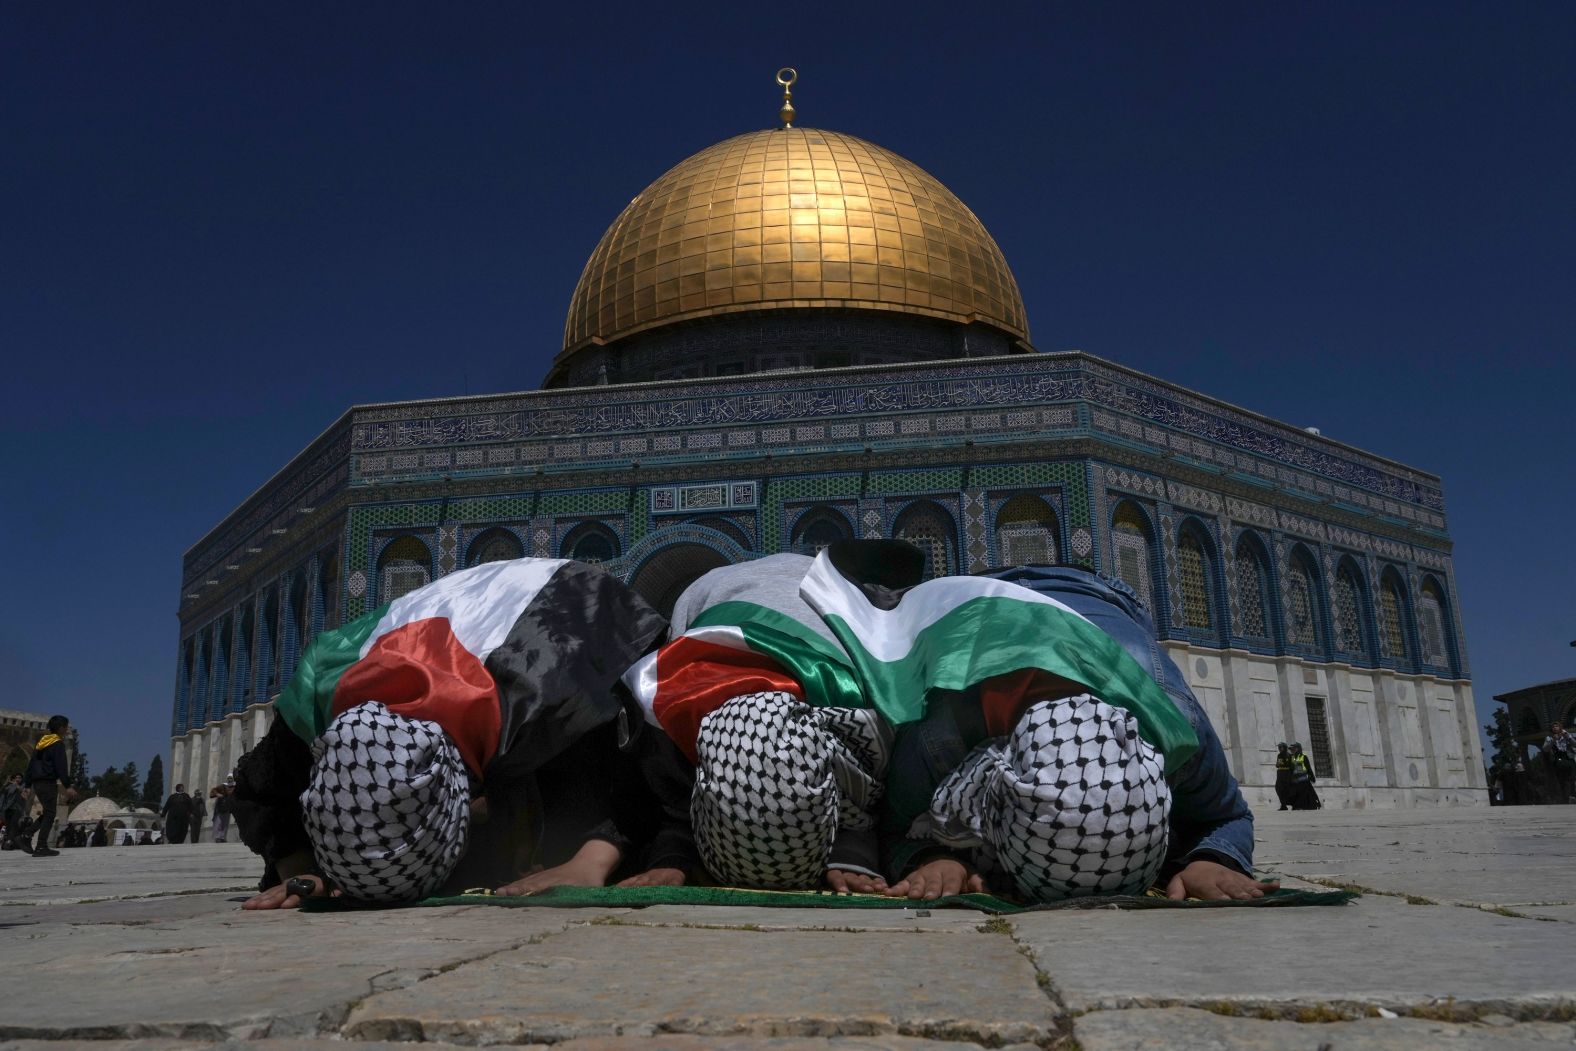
[
  {"x": 246, "y": 654},
  {"x": 406, "y": 562},
  {"x": 1347, "y": 620},
  {"x": 1025, "y": 531}
]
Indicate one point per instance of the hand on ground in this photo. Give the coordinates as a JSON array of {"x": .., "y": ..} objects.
[
  {"x": 937, "y": 878},
  {"x": 277, "y": 897},
  {"x": 590, "y": 867},
  {"x": 655, "y": 878},
  {"x": 844, "y": 882},
  {"x": 1213, "y": 881}
]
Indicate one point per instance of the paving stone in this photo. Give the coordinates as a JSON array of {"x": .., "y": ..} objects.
[
  {"x": 674, "y": 1042},
  {"x": 1496, "y": 855},
  {"x": 1563, "y": 913},
  {"x": 965, "y": 921},
  {"x": 98, "y": 873},
  {"x": 240, "y": 975},
  {"x": 1378, "y": 951},
  {"x": 165, "y": 908},
  {"x": 608, "y": 980},
  {"x": 1161, "y": 1030}
]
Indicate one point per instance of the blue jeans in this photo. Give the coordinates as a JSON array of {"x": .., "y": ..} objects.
[{"x": 1209, "y": 817}]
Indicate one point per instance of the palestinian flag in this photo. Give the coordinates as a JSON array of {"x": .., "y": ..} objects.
[
  {"x": 516, "y": 660},
  {"x": 735, "y": 648},
  {"x": 1017, "y": 645}
]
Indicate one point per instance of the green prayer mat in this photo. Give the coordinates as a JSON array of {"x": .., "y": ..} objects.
[{"x": 637, "y": 897}]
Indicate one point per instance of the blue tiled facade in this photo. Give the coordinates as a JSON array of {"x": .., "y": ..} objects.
[{"x": 665, "y": 479}]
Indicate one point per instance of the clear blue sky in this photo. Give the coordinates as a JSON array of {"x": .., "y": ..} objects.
[{"x": 223, "y": 224}]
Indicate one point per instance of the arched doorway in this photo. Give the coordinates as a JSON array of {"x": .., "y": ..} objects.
[{"x": 665, "y": 575}]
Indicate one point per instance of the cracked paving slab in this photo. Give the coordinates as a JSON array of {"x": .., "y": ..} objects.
[
  {"x": 103, "y": 873},
  {"x": 609, "y": 980},
  {"x": 1378, "y": 951},
  {"x": 242, "y": 975},
  {"x": 673, "y": 1042},
  {"x": 1160, "y": 1030},
  {"x": 935, "y": 920},
  {"x": 1489, "y": 855}
]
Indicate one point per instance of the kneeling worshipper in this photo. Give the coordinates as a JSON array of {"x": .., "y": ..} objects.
[
  {"x": 1044, "y": 746},
  {"x": 760, "y": 696},
  {"x": 456, "y": 735}
]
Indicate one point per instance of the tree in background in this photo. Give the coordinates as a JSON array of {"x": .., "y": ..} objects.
[
  {"x": 1503, "y": 740},
  {"x": 119, "y": 785},
  {"x": 79, "y": 769},
  {"x": 153, "y": 787}
]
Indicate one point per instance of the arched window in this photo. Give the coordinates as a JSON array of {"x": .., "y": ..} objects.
[
  {"x": 300, "y": 613},
  {"x": 1302, "y": 601},
  {"x": 591, "y": 542},
  {"x": 1252, "y": 591},
  {"x": 1431, "y": 625},
  {"x": 188, "y": 682},
  {"x": 204, "y": 662},
  {"x": 731, "y": 530},
  {"x": 495, "y": 545},
  {"x": 1193, "y": 576},
  {"x": 1528, "y": 723},
  {"x": 1130, "y": 549},
  {"x": 818, "y": 527},
  {"x": 929, "y": 528},
  {"x": 328, "y": 587},
  {"x": 219, "y": 678},
  {"x": 665, "y": 575},
  {"x": 269, "y": 650},
  {"x": 405, "y": 565},
  {"x": 1026, "y": 532},
  {"x": 1351, "y": 615},
  {"x": 243, "y": 655},
  {"x": 1392, "y": 635}
]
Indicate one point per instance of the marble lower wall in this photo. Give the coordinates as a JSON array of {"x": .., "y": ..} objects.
[
  {"x": 1395, "y": 741},
  {"x": 203, "y": 758}
]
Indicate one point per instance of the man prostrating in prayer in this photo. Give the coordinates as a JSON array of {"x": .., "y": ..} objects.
[{"x": 460, "y": 733}]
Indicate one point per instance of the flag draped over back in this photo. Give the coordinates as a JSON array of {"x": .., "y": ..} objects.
[
  {"x": 732, "y": 649},
  {"x": 514, "y": 659},
  {"x": 954, "y": 633}
]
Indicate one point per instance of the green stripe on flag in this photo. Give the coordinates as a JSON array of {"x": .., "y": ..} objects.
[
  {"x": 991, "y": 635},
  {"x": 306, "y": 704},
  {"x": 815, "y": 661}
]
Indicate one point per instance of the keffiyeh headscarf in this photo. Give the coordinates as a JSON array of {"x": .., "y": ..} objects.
[
  {"x": 774, "y": 780},
  {"x": 388, "y": 806},
  {"x": 1071, "y": 803}
]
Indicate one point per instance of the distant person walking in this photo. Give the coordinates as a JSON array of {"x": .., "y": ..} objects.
[
  {"x": 49, "y": 769},
  {"x": 177, "y": 815},
  {"x": 221, "y": 812},
  {"x": 100, "y": 837},
  {"x": 1303, "y": 795},
  {"x": 199, "y": 814},
  {"x": 1283, "y": 775},
  {"x": 1560, "y": 748}
]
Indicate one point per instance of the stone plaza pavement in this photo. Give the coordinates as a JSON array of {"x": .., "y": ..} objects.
[{"x": 1465, "y": 939}]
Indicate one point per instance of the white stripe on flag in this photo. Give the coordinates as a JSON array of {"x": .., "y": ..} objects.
[
  {"x": 481, "y": 604},
  {"x": 641, "y": 678},
  {"x": 888, "y": 634}
]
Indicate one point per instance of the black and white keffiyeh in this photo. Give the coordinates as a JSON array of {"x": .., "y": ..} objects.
[
  {"x": 1071, "y": 803},
  {"x": 388, "y": 806},
  {"x": 775, "y": 779}
]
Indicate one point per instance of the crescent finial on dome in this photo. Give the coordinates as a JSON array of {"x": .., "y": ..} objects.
[{"x": 786, "y": 77}]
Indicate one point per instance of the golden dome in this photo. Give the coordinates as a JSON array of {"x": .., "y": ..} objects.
[{"x": 792, "y": 217}]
